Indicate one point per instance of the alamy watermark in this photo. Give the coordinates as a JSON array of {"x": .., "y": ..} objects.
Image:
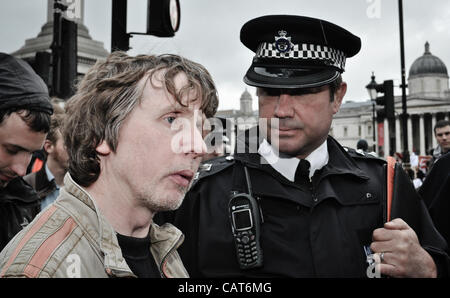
[
  {"x": 214, "y": 133},
  {"x": 74, "y": 268},
  {"x": 373, "y": 270}
]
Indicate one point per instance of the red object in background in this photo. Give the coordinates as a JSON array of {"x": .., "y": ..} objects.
[
  {"x": 37, "y": 165},
  {"x": 423, "y": 162},
  {"x": 381, "y": 134}
]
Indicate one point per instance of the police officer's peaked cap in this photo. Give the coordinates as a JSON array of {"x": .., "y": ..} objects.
[{"x": 296, "y": 51}]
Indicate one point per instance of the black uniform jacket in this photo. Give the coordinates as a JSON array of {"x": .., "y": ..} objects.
[
  {"x": 435, "y": 191},
  {"x": 316, "y": 231},
  {"x": 19, "y": 204}
]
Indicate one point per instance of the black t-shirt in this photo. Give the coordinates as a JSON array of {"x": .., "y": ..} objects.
[{"x": 136, "y": 252}]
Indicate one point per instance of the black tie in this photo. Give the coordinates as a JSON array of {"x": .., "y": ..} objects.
[
  {"x": 302, "y": 172},
  {"x": 52, "y": 184}
]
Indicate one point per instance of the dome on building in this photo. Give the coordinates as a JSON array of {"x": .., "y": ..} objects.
[
  {"x": 428, "y": 64},
  {"x": 246, "y": 95},
  {"x": 246, "y": 103}
]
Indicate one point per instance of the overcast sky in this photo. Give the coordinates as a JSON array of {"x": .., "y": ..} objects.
[{"x": 209, "y": 34}]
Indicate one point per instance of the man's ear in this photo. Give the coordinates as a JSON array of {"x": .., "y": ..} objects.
[
  {"x": 48, "y": 146},
  {"x": 339, "y": 96},
  {"x": 103, "y": 148}
]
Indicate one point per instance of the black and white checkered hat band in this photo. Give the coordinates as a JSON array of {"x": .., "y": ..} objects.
[{"x": 331, "y": 56}]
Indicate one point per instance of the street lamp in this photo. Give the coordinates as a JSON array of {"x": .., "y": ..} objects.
[
  {"x": 373, "y": 93},
  {"x": 372, "y": 88},
  {"x": 387, "y": 89},
  {"x": 404, "y": 115}
]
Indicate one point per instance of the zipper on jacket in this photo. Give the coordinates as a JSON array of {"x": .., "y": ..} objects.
[
  {"x": 312, "y": 190},
  {"x": 164, "y": 260}
]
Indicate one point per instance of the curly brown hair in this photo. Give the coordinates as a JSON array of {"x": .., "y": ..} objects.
[{"x": 110, "y": 91}]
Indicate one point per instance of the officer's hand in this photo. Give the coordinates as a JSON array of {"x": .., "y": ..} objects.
[{"x": 402, "y": 255}]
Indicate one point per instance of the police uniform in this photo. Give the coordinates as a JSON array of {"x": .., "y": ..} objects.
[{"x": 321, "y": 228}]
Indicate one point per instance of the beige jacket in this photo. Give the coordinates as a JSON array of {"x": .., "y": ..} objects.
[{"x": 71, "y": 238}]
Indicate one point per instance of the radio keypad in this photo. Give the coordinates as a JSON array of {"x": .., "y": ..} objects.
[{"x": 246, "y": 247}]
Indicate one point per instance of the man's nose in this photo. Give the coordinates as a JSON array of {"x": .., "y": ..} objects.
[
  {"x": 199, "y": 147},
  {"x": 193, "y": 142},
  {"x": 20, "y": 163},
  {"x": 284, "y": 106}
]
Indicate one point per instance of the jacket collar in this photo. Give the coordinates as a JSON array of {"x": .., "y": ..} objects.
[
  {"x": 287, "y": 165},
  {"x": 17, "y": 190},
  {"x": 164, "y": 239},
  {"x": 274, "y": 184},
  {"x": 43, "y": 180},
  {"x": 339, "y": 162}
]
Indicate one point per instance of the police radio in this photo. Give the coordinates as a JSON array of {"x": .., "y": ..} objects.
[{"x": 246, "y": 219}]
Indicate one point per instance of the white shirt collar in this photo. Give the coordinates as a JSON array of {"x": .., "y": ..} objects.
[{"x": 287, "y": 165}]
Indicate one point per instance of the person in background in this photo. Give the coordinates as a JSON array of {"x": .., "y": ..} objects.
[
  {"x": 442, "y": 135},
  {"x": 362, "y": 145},
  {"x": 412, "y": 172},
  {"x": 435, "y": 192},
  {"x": 418, "y": 180},
  {"x": 25, "y": 111},
  {"x": 50, "y": 178},
  {"x": 413, "y": 159}
]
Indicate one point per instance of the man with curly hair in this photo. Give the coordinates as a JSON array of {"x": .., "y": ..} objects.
[{"x": 133, "y": 135}]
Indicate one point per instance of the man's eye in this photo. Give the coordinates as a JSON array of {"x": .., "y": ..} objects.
[
  {"x": 11, "y": 152},
  {"x": 170, "y": 119},
  {"x": 269, "y": 92}
]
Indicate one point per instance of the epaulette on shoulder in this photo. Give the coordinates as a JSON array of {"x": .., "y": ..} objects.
[
  {"x": 358, "y": 153},
  {"x": 213, "y": 166}
]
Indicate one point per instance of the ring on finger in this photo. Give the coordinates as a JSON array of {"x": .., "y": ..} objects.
[{"x": 381, "y": 257}]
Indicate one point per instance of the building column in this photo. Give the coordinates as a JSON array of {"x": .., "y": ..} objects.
[
  {"x": 422, "y": 135},
  {"x": 387, "y": 146},
  {"x": 433, "y": 124},
  {"x": 410, "y": 133},
  {"x": 398, "y": 139},
  {"x": 375, "y": 128}
]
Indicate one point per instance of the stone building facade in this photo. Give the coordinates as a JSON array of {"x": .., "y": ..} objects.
[{"x": 428, "y": 101}]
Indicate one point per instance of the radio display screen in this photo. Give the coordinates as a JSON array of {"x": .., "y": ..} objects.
[{"x": 242, "y": 219}]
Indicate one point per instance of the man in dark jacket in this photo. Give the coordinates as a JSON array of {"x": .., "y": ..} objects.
[
  {"x": 435, "y": 192},
  {"x": 442, "y": 134},
  {"x": 292, "y": 202},
  {"x": 25, "y": 111}
]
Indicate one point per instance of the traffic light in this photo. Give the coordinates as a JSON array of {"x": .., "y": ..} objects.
[
  {"x": 163, "y": 20},
  {"x": 388, "y": 87},
  {"x": 64, "y": 53},
  {"x": 120, "y": 39},
  {"x": 387, "y": 101},
  {"x": 163, "y": 17},
  {"x": 68, "y": 58},
  {"x": 41, "y": 65}
]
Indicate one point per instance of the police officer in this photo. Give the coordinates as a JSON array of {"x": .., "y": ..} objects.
[{"x": 301, "y": 205}]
